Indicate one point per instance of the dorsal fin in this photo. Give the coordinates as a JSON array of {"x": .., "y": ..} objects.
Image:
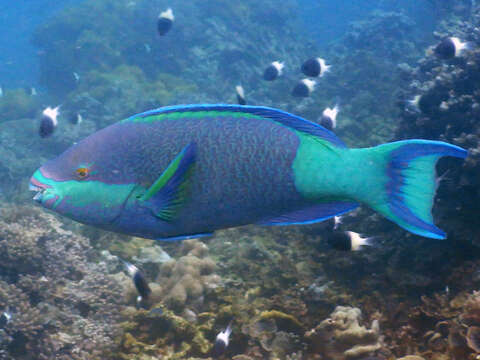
[{"x": 282, "y": 117}]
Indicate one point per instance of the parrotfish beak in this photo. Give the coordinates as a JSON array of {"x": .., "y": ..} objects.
[{"x": 44, "y": 190}]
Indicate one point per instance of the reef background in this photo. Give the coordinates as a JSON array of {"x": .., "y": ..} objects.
[{"x": 291, "y": 296}]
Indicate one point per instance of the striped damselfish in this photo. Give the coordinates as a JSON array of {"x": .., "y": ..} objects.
[{"x": 185, "y": 171}]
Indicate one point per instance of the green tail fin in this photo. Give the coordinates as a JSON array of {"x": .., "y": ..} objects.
[{"x": 408, "y": 191}]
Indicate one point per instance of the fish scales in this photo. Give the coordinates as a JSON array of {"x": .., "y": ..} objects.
[
  {"x": 236, "y": 155},
  {"x": 186, "y": 171}
]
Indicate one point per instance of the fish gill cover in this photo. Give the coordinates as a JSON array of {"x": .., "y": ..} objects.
[{"x": 289, "y": 293}]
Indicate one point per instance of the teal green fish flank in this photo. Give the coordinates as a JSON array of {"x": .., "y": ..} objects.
[{"x": 324, "y": 172}]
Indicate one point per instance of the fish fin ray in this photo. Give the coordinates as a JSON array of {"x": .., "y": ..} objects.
[
  {"x": 184, "y": 237},
  {"x": 409, "y": 191},
  {"x": 312, "y": 214},
  {"x": 279, "y": 116},
  {"x": 166, "y": 196}
]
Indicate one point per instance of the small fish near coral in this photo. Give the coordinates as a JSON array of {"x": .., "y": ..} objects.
[
  {"x": 185, "y": 171},
  {"x": 273, "y": 71},
  {"x": 451, "y": 47},
  {"x": 165, "y": 22},
  {"x": 240, "y": 95},
  {"x": 348, "y": 241},
  {"x": 5, "y": 318},
  {"x": 315, "y": 67},
  {"x": 48, "y": 122},
  {"x": 139, "y": 281},
  {"x": 329, "y": 118},
  {"x": 75, "y": 118},
  {"x": 221, "y": 341},
  {"x": 304, "y": 88}
]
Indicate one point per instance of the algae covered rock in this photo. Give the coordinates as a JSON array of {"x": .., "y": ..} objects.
[
  {"x": 341, "y": 337},
  {"x": 63, "y": 304},
  {"x": 17, "y": 104}
]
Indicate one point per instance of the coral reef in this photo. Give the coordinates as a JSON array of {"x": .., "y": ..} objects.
[
  {"x": 63, "y": 305},
  {"x": 187, "y": 280},
  {"x": 161, "y": 333},
  {"x": 17, "y": 104},
  {"x": 448, "y": 110},
  {"x": 341, "y": 337},
  {"x": 68, "y": 299}
]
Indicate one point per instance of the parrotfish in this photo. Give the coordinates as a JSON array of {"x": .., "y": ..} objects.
[{"x": 185, "y": 171}]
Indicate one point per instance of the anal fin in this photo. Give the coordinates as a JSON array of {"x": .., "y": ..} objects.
[
  {"x": 312, "y": 214},
  {"x": 185, "y": 237}
]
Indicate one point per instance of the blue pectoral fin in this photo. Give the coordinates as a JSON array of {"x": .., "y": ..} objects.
[
  {"x": 312, "y": 214},
  {"x": 185, "y": 237},
  {"x": 168, "y": 193}
]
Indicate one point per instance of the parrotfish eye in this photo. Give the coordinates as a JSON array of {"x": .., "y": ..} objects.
[{"x": 82, "y": 173}]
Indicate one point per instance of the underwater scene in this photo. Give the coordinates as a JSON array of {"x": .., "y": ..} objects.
[{"x": 295, "y": 179}]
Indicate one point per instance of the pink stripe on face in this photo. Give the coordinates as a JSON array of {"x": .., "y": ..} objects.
[{"x": 37, "y": 183}]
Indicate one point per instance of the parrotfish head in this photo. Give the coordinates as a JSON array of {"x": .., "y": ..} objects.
[{"x": 86, "y": 183}]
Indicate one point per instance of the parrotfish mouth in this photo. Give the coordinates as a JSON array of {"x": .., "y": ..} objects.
[
  {"x": 44, "y": 194},
  {"x": 38, "y": 192}
]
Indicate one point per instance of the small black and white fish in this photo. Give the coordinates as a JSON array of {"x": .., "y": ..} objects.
[
  {"x": 75, "y": 118},
  {"x": 1, "y": 91},
  {"x": 165, "y": 21},
  {"x": 138, "y": 280},
  {"x": 222, "y": 340},
  {"x": 451, "y": 47},
  {"x": 240, "y": 95},
  {"x": 304, "y": 88},
  {"x": 76, "y": 77},
  {"x": 48, "y": 121},
  {"x": 348, "y": 241},
  {"x": 33, "y": 91},
  {"x": 337, "y": 221},
  {"x": 414, "y": 103},
  {"x": 5, "y": 318},
  {"x": 273, "y": 71},
  {"x": 329, "y": 118},
  {"x": 315, "y": 67}
]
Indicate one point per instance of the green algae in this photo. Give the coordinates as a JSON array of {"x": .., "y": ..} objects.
[{"x": 17, "y": 104}]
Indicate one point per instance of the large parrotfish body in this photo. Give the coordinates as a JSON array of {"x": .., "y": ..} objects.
[{"x": 186, "y": 171}]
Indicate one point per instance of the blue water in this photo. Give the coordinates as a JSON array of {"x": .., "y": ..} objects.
[
  {"x": 328, "y": 20},
  {"x": 325, "y": 20},
  {"x": 18, "y": 20}
]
